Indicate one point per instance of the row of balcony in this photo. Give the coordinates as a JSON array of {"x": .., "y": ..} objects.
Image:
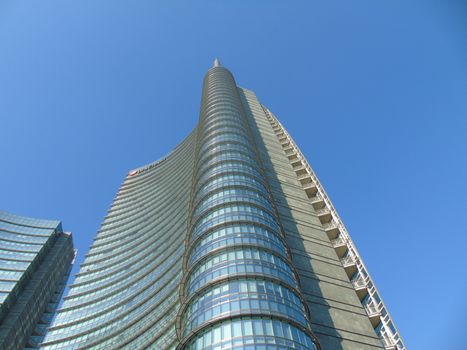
[
  {"x": 334, "y": 233},
  {"x": 321, "y": 210}
]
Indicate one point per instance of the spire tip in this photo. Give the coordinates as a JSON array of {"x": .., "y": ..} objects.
[{"x": 217, "y": 63}]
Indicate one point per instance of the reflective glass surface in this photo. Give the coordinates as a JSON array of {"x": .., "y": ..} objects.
[
  {"x": 252, "y": 334},
  {"x": 235, "y": 241},
  {"x": 235, "y": 297},
  {"x": 35, "y": 258},
  {"x": 126, "y": 293},
  {"x": 238, "y": 261},
  {"x": 238, "y": 234}
]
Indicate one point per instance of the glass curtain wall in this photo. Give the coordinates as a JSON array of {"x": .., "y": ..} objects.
[{"x": 239, "y": 289}]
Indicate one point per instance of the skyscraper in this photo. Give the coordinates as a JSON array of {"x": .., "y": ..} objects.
[
  {"x": 35, "y": 262},
  {"x": 229, "y": 242}
]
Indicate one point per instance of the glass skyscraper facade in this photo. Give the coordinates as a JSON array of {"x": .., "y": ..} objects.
[
  {"x": 35, "y": 262},
  {"x": 229, "y": 242}
]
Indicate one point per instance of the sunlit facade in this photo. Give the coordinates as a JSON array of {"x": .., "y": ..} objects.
[
  {"x": 218, "y": 245},
  {"x": 35, "y": 262}
]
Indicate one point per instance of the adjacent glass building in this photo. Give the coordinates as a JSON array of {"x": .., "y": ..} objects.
[
  {"x": 35, "y": 261},
  {"x": 229, "y": 242}
]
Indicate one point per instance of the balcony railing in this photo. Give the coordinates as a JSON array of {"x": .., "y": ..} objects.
[
  {"x": 304, "y": 176},
  {"x": 338, "y": 242},
  {"x": 347, "y": 260},
  {"x": 359, "y": 283},
  {"x": 297, "y": 163},
  {"x": 388, "y": 343},
  {"x": 317, "y": 201},
  {"x": 309, "y": 185},
  {"x": 371, "y": 309},
  {"x": 330, "y": 225},
  {"x": 300, "y": 170},
  {"x": 323, "y": 211}
]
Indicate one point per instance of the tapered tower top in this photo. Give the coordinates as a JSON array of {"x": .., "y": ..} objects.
[{"x": 217, "y": 63}]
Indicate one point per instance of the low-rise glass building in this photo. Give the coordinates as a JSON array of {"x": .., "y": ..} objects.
[{"x": 35, "y": 261}]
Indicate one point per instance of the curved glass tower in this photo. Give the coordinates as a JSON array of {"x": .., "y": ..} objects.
[
  {"x": 216, "y": 246},
  {"x": 239, "y": 286}
]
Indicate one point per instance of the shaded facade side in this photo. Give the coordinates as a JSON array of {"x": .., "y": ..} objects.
[
  {"x": 345, "y": 248},
  {"x": 342, "y": 309},
  {"x": 125, "y": 295},
  {"x": 35, "y": 259}
]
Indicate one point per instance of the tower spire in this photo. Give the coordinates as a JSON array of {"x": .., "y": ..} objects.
[{"x": 217, "y": 63}]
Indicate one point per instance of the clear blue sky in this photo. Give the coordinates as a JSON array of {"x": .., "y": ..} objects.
[{"x": 374, "y": 92}]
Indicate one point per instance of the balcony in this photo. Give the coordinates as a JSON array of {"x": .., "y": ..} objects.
[
  {"x": 318, "y": 202},
  {"x": 373, "y": 314},
  {"x": 296, "y": 162},
  {"x": 339, "y": 246},
  {"x": 347, "y": 261},
  {"x": 390, "y": 347},
  {"x": 337, "y": 242},
  {"x": 292, "y": 157},
  {"x": 300, "y": 170},
  {"x": 324, "y": 215},
  {"x": 349, "y": 265},
  {"x": 310, "y": 189},
  {"x": 284, "y": 143},
  {"x": 331, "y": 229},
  {"x": 304, "y": 179},
  {"x": 388, "y": 342},
  {"x": 359, "y": 285}
]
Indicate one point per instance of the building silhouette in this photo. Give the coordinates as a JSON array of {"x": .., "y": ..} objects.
[
  {"x": 229, "y": 242},
  {"x": 35, "y": 261}
]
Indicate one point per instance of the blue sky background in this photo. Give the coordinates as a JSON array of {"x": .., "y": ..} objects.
[{"x": 374, "y": 92}]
